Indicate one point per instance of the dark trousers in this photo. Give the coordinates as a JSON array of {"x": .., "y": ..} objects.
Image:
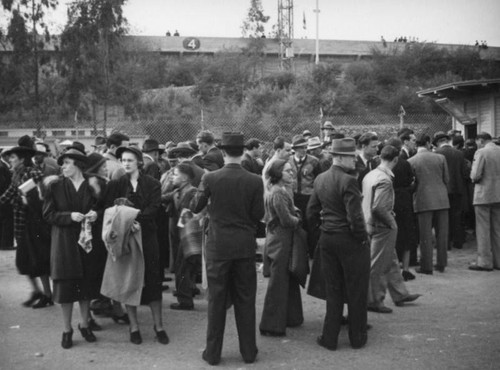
[
  {"x": 185, "y": 277},
  {"x": 300, "y": 201},
  {"x": 239, "y": 279},
  {"x": 163, "y": 242},
  {"x": 456, "y": 226},
  {"x": 173, "y": 241},
  {"x": 6, "y": 227},
  {"x": 346, "y": 268},
  {"x": 426, "y": 222}
]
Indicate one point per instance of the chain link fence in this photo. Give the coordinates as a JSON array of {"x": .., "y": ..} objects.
[{"x": 266, "y": 128}]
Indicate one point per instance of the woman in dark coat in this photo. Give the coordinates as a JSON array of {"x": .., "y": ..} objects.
[
  {"x": 68, "y": 208},
  {"x": 32, "y": 233},
  {"x": 283, "y": 304},
  {"x": 143, "y": 193}
]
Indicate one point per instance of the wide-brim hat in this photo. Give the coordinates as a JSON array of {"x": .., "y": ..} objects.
[
  {"x": 25, "y": 146},
  {"x": 299, "y": 143},
  {"x": 183, "y": 148},
  {"x": 77, "y": 146},
  {"x": 94, "y": 161},
  {"x": 73, "y": 154},
  {"x": 314, "y": 143},
  {"x": 151, "y": 145},
  {"x": 232, "y": 140},
  {"x": 131, "y": 149},
  {"x": 99, "y": 141},
  {"x": 439, "y": 136},
  {"x": 327, "y": 126},
  {"x": 346, "y": 146}
]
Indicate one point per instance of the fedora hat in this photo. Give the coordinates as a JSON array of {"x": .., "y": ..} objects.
[
  {"x": 151, "y": 145},
  {"x": 94, "y": 161},
  {"x": 25, "y": 146},
  {"x": 314, "y": 143},
  {"x": 440, "y": 135},
  {"x": 99, "y": 141},
  {"x": 77, "y": 146},
  {"x": 131, "y": 149},
  {"x": 299, "y": 142},
  {"x": 327, "y": 126},
  {"x": 346, "y": 146},
  {"x": 232, "y": 140},
  {"x": 73, "y": 154},
  {"x": 182, "y": 149},
  {"x": 306, "y": 133}
]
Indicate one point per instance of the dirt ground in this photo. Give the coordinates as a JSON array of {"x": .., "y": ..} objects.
[{"x": 454, "y": 325}]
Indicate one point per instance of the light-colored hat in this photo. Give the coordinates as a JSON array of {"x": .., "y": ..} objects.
[
  {"x": 346, "y": 146},
  {"x": 314, "y": 143},
  {"x": 328, "y": 126}
]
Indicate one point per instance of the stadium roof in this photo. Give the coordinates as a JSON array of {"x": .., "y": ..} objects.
[{"x": 462, "y": 88}]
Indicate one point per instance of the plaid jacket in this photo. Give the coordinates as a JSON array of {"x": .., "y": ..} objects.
[{"x": 13, "y": 196}]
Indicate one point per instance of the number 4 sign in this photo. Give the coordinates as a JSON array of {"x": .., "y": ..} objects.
[{"x": 191, "y": 43}]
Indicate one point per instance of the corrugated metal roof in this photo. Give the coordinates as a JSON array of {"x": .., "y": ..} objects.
[{"x": 461, "y": 88}]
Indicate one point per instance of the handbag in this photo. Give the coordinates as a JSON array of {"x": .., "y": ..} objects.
[{"x": 299, "y": 261}]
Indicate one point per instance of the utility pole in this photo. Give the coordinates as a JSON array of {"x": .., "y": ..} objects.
[
  {"x": 285, "y": 32},
  {"x": 317, "y": 31}
]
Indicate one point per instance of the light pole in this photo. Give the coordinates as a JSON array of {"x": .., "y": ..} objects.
[{"x": 317, "y": 31}]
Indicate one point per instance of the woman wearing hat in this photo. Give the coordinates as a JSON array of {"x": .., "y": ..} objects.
[
  {"x": 32, "y": 234},
  {"x": 283, "y": 304},
  {"x": 69, "y": 207},
  {"x": 143, "y": 193}
]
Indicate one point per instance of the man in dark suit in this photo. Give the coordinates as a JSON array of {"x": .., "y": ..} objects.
[
  {"x": 365, "y": 161},
  {"x": 431, "y": 204},
  {"x": 408, "y": 139},
  {"x": 335, "y": 204},
  {"x": 151, "y": 152},
  {"x": 236, "y": 199},
  {"x": 456, "y": 186},
  {"x": 252, "y": 161},
  {"x": 212, "y": 156}
]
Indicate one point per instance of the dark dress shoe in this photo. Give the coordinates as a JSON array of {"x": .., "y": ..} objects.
[
  {"x": 87, "y": 334},
  {"x": 67, "y": 339},
  {"x": 196, "y": 292},
  {"x": 35, "y": 296},
  {"x": 181, "y": 307},
  {"x": 205, "y": 357},
  {"x": 269, "y": 333},
  {"x": 319, "y": 340},
  {"x": 167, "y": 279},
  {"x": 407, "y": 275},
  {"x": 165, "y": 288},
  {"x": 381, "y": 309},
  {"x": 43, "y": 302},
  {"x": 439, "y": 268},
  {"x": 94, "y": 326},
  {"x": 407, "y": 299},
  {"x": 422, "y": 271},
  {"x": 161, "y": 336},
  {"x": 123, "y": 319},
  {"x": 476, "y": 267},
  {"x": 135, "y": 337}
]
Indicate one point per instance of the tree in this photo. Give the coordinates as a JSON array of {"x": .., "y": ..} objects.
[
  {"x": 90, "y": 44},
  {"x": 254, "y": 24},
  {"x": 26, "y": 17}
]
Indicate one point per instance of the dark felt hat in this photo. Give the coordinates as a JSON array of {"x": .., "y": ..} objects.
[
  {"x": 77, "y": 146},
  {"x": 182, "y": 149},
  {"x": 25, "y": 146},
  {"x": 73, "y": 154},
  {"x": 300, "y": 142},
  {"x": 131, "y": 149},
  {"x": 232, "y": 140},
  {"x": 94, "y": 161},
  {"x": 151, "y": 145},
  {"x": 99, "y": 141},
  {"x": 346, "y": 146},
  {"x": 440, "y": 135}
]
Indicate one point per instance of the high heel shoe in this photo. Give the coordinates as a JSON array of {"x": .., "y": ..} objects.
[
  {"x": 135, "y": 337},
  {"x": 161, "y": 336},
  {"x": 121, "y": 319},
  {"x": 67, "y": 340},
  {"x": 44, "y": 301},
  {"x": 35, "y": 296},
  {"x": 87, "y": 334}
]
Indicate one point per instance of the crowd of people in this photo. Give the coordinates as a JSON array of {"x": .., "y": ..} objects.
[{"x": 102, "y": 227}]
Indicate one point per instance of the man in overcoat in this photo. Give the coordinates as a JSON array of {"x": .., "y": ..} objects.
[
  {"x": 235, "y": 199},
  {"x": 485, "y": 175},
  {"x": 345, "y": 253},
  {"x": 431, "y": 204}
]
